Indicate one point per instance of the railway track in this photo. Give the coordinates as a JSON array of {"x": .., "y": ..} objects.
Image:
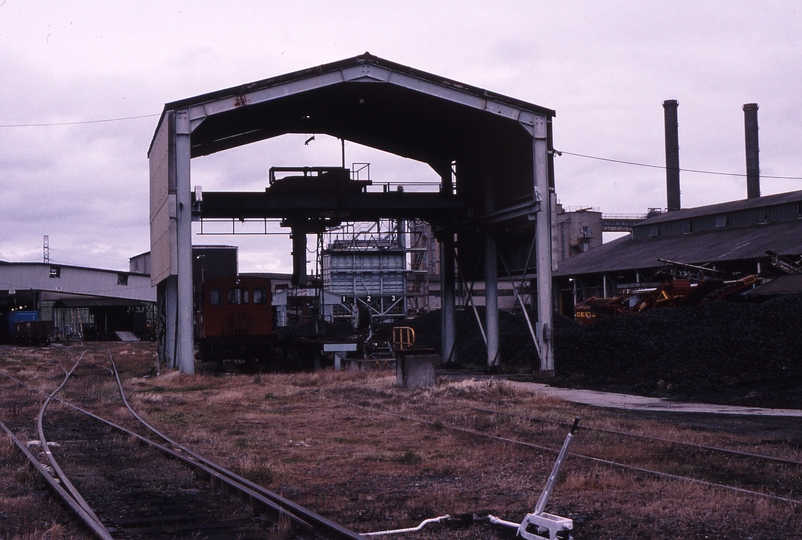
[
  {"x": 743, "y": 472},
  {"x": 746, "y": 472},
  {"x": 688, "y": 461},
  {"x": 123, "y": 483},
  {"x": 382, "y": 458}
]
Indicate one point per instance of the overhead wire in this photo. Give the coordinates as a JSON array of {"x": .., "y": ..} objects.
[
  {"x": 651, "y": 166},
  {"x": 557, "y": 152},
  {"x": 79, "y": 122}
]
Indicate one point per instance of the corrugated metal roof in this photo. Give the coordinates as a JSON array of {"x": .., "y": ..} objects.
[
  {"x": 723, "y": 208},
  {"x": 739, "y": 243}
]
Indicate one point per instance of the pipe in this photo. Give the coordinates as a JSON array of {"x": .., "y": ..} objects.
[
  {"x": 412, "y": 529},
  {"x": 498, "y": 521}
]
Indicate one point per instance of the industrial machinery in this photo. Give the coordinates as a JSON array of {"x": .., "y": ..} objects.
[
  {"x": 674, "y": 293},
  {"x": 539, "y": 524}
]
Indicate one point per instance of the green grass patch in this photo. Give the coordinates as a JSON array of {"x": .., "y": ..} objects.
[
  {"x": 173, "y": 417},
  {"x": 409, "y": 458},
  {"x": 162, "y": 389}
]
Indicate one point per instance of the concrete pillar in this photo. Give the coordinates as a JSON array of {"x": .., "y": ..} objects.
[
  {"x": 415, "y": 368},
  {"x": 186, "y": 341},
  {"x": 448, "y": 307},
  {"x": 491, "y": 300}
]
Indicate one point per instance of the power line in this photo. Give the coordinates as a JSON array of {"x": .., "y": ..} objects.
[
  {"x": 623, "y": 162},
  {"x": 559, "y": 153},
  {"x": 79, "y": 122}
]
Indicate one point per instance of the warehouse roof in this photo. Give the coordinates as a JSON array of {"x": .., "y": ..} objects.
[
  {"x": 69, "y": 279},
  {"x": 731, "y": 231},
  {"x": 729, "y": 244},
  {"x": 721, "y": 208},
  {"x": 401, "y": 109}
]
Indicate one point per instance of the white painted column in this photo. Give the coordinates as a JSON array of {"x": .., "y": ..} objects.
[
  {"x": 186, "y": 341},
  {"x": 544, "y": 325}
]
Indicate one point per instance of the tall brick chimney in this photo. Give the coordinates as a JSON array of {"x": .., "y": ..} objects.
[
  {"x": 752, "y": 151},
  {"x": 672, "y": 155}
]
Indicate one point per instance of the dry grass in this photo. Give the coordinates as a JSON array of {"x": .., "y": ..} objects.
[{"x": 347, "y": 445}]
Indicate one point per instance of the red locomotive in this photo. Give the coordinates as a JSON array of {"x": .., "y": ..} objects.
[{"x": 235, "y": 318}]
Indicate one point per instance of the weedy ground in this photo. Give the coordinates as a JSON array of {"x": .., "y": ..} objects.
[{"x": 370, "y": 456}]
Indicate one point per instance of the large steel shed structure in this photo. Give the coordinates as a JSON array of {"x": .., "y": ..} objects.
[{"x": 492, "y": 153}]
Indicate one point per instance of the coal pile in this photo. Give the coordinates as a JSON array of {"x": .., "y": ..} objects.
[
  {"x": 742, "y": 352},
  {"x": 728, "y": 352}
]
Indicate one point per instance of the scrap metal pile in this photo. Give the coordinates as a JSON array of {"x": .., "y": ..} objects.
[{"x": 674, "y": 293}]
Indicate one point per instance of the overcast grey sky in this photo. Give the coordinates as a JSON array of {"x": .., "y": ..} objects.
[{"x": 605, "y": 67}]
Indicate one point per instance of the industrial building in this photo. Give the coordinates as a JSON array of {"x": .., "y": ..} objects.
[
  {"x": 82, "y": 303},
  {"x": 753, "y": 244},
  {"x": 493, "y": 203},
  {"x": 761, "y": 237}
]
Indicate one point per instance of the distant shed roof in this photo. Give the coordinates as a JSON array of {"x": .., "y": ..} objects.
[
  {"x": 733, "y": 244},
  {"x": 731, "y": 231},
  {"x": 722, "y": 208}
]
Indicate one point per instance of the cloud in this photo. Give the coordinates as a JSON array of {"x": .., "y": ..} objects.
[{"x": 604, "y": 67}]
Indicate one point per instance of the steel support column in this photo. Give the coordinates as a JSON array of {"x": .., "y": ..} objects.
[
  {"x": 543, "y": 250},
  {"x": 170, "y": 320},
  {"x": 448, "y": 308},
  {"x": 185, "y": 356},
  {"x": 491, "y": 300}
]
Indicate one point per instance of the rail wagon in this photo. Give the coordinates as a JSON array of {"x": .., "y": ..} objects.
[{"x": 235, "y": 318}]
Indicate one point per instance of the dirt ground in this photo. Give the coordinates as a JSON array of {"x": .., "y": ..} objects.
[{"x": 371, "y": 456}]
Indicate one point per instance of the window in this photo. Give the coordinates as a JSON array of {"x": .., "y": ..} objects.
[
  {"x": 122, "y": 279},
  {"x": 259, "y": 295},
  {"x": 216, "y": 296},
  {"x": 55, "y": 272},
  {"x": 238, "y": 295}
]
